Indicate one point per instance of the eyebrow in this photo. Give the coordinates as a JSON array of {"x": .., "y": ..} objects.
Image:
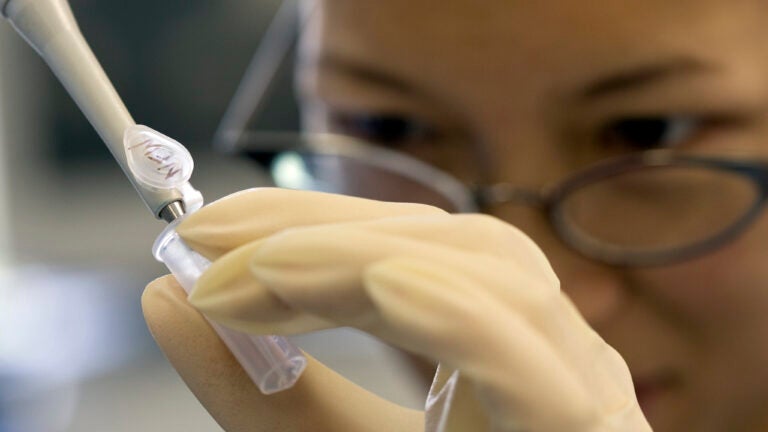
[
  {"x": 617, "y": 82},
  {"x": 645, "y": 75},
  {"x": 366, "y": 72}
]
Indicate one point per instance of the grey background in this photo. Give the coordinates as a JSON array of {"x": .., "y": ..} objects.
[{"x": 75, "y": 240}]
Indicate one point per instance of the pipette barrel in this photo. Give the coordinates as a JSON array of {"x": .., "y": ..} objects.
[{"x": 50, "y": 28}]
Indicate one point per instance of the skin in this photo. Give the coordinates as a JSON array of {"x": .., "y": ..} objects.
[
  {"x": 530, "y": 89},
  {"x": 222, "y": 386}
]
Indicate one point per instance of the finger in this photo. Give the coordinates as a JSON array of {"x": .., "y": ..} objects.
[
  {"x": 318, "y": 271},
  {"x": 469, "y": 232},
  {"x": 517, "y": 368},
  {"x": 256, "y": 213},
  {"x": 246, "y": 298},
  {"x": 521, "y": 378},
  {"x": 321, "y": 399}
]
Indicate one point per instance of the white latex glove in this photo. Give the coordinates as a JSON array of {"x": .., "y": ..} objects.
[{"x": 467, "y": 290}]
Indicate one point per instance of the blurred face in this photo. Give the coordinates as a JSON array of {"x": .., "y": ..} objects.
[{"x": 528, "y": 92}]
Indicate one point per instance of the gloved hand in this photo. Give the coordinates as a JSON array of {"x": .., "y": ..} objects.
[{"x": 468, "y": 291}]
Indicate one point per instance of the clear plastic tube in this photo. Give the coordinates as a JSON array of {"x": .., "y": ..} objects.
[{"x": 273, "y": 363}]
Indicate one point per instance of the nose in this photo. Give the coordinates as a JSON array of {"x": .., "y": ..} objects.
[{"x": 598, "y": 290}]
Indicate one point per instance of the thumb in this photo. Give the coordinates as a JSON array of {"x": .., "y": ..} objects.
[{"x": 321, "y": 400}]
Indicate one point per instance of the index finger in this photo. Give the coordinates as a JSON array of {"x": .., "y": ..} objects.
[{"x": 256, "y": 213}]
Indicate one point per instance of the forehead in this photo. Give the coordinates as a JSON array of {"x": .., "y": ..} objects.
[{"x": 548, "y": 42}]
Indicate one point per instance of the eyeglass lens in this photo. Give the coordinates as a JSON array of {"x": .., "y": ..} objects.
[
  {"x": 645, "y": 209},
  {"x": 658, "y": 208},
  {"x": 356, "y": 176}
]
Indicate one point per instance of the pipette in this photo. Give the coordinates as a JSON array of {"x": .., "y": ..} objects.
[{"x": 158, "y": 167}]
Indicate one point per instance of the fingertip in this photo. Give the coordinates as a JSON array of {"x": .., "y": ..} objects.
[
  {"x": 161, "y": 296},
  {"x": 230, "y": 294},
  {"x": 169, "y": 316},
  {"x": 162, "y": 285}
]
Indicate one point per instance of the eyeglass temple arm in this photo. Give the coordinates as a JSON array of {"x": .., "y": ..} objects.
[{"x": 259, "y": 77}]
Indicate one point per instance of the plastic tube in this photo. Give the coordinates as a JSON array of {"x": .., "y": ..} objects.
[{"x": 273, "y": 363}]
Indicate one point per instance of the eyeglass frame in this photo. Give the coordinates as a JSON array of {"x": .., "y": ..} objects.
[
  {"x": 273, "y": 51},
  {"x": 471, "y": 198},
  {"x": 550, "y": 201}
]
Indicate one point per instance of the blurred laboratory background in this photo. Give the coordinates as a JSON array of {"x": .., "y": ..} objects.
[{"x": 75, "y": 239}]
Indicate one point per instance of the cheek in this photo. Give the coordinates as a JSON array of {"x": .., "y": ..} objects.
[
  {"x": 722, "y": 299},
  {"x": 728, "y": 287}
]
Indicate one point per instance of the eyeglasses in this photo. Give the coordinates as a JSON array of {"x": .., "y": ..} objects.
[{"x": 650, "y": 208}]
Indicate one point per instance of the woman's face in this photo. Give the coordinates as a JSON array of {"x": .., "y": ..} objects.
[{"x": 532, "y": 91}]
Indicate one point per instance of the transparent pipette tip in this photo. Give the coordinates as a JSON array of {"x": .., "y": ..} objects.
[{"x": 272, "y": 362}]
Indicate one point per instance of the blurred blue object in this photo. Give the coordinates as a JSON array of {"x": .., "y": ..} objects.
[{"x": 57, "y": 327}]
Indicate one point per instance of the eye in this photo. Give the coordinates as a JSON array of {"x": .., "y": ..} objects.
[
  {"x": 645, "y": 133},
  {"x": 389, "y": 129}
]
